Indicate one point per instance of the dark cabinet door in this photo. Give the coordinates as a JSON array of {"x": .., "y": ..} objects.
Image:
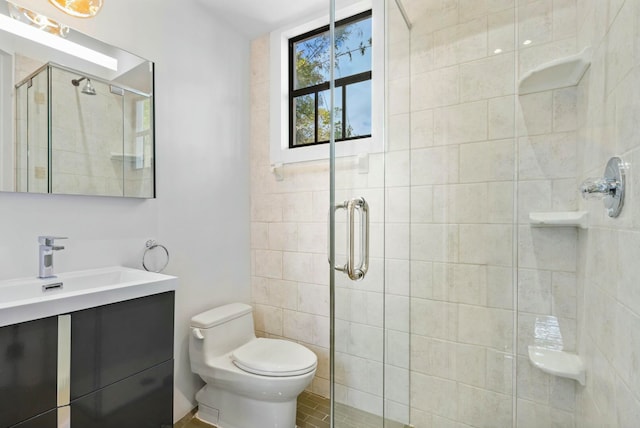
[
  {"x": 46, "y": 420},
  {"x": 141, "y": 401},
  {"x": 112, "y": 342},
  {"x": 28, "y": 367}
]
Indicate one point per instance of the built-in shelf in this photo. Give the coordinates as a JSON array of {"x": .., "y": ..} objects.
[
  {"x": 559, "y": 73},
  {"x": 559, "y": 219},
  {"x": 128, "y": 157},
  {"x": 558, "y": 363}
]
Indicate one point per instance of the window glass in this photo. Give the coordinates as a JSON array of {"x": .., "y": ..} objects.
[{"x": 309, "y": 71}]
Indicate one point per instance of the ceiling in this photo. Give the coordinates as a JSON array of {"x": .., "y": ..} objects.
[{"x": 256, "y": 17}]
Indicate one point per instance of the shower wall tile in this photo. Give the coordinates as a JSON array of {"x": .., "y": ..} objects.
[
  {"x": 535, "y": 55},
  {"x": 487, "y": 161},
  {"x": 462, "y": 123},
  {"x": 474, "y": 405},
  {"x": 487, "y": 78},
  {"x": 434, "y": 242},
  {"x": 547, "y": 156},
  {"x": 492, "y": 328},
  {"x": 536, "y": 113},
  {"x": 435, "y": 88},
  {"x": 550, "y": 249},
  {"x": 536, "y": 21},
  {"x": 486, "y": 244},
  {"x": 434, "y": 319},
  {"x": 500, "y": 288},
  {"x": 499, "y": 372},
  {"x": 433, "y": 395},
  {"x": 282, "y": 236},
  {"x": 421, "y": 129},
  {"x": 470, "y": 365},
  {"x": 433, "y": 356},
  {"x": 268, "y": 263},
  {"x": 501, "y": 32},
  {"x": 501, "y": 117},
  {"x": 438, "y": 165}
]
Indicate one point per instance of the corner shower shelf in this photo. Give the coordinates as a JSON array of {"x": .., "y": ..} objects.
[
  {"x": 129, "y": 157},
  {"x": 558, "y": 363},
  {"x": 559, "y": 219},
  {"x": 556, "y": 74}
]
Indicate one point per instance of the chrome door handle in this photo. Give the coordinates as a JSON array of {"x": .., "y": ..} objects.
[{"x": 353, "y": 271}]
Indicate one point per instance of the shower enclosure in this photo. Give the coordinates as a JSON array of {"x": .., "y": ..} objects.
[
  {"x": 479, "y": 254},
  {"x": 81, "y": 135},
  {"x": 481, "y": 257}
]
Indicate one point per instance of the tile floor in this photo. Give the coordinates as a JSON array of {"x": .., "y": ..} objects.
[{"x": 313, "y": 412}]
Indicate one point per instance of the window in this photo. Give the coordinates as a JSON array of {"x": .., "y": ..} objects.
[
  {"x": 309, "y": 97},
  {"x": 360, "y": 76}
]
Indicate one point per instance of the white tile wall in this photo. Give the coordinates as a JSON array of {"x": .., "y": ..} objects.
[{"x": 607, "y": 274}]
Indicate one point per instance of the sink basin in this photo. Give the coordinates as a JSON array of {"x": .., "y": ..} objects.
[{"x": 32, "y": 298}]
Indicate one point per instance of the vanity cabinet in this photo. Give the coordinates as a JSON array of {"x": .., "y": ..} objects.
[
  {"x": 28, "y": 365},
  {"x": 121, "y": 368},
  {"x": 110, "y": 343}
]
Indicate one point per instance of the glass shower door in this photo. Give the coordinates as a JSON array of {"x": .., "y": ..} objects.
[{"x": 371, "y": 229}]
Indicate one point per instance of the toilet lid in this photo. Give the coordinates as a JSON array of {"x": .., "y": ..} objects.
[{"x": 274, "y": 357}]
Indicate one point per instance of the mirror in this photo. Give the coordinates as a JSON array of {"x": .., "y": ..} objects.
[{"x": 76, "y": 114}]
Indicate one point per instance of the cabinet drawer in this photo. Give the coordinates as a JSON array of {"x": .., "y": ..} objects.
[
  {"x": 47, "y": 420},
  {"x": 110, "y": 343},
  {"x": 28, "y": 366},
  {"x": 141, "y": 401}
]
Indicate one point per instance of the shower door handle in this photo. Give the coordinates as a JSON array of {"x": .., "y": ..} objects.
[{"x": 353, "y": 271}]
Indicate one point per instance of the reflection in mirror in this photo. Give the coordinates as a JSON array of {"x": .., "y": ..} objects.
[{"x": 74, "y": 123}]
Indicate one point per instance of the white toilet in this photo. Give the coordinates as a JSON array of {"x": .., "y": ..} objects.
[{"x": 251, "y": 382}]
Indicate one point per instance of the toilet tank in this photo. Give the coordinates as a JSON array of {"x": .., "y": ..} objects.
[{"x": 222, "y": 329}]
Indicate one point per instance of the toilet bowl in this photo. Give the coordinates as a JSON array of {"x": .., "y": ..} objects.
[{"x": 250, "y": 382}]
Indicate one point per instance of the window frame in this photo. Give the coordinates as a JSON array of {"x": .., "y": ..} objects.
[
  {"x": 340, "y": 83},
  {"x": 279, "y": 151}
]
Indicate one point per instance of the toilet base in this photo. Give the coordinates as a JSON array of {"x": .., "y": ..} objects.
[{"x": 225, "y": 409}]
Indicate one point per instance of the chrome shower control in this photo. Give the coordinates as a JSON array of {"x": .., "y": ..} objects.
[{"x": 610, "y": 188}]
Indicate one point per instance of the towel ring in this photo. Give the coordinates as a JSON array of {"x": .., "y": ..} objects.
[{"x": 150, "y": 245}]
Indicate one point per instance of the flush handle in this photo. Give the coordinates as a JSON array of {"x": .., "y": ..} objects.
[{"x": 197, "y": 333}]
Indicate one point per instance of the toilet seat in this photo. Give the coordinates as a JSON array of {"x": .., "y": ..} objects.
[{"x": 274, "y": 357}]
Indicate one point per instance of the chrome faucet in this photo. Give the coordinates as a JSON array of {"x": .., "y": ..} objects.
[{"x": 47, "y": 248}]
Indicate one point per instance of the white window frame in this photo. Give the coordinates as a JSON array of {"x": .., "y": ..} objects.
[{"x": 279, "y": 152}]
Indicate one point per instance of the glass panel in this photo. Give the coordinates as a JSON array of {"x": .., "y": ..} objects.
[
  {"x": 138, "y": 146},
  {"x": 366, "y": 369},
  {"x": 305, "y": 120},
  {"x": 358, "y": 109},
  {"x": 86, "y": 137}
]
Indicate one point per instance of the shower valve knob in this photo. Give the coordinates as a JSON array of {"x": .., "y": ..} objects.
[
  {"x": 610, "y": 188},
  {"x": 598, "y": 188}
]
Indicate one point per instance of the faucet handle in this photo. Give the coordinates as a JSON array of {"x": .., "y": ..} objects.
[{"x": 48, "y": 240}]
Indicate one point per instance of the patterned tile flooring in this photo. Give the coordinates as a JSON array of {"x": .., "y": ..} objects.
[{"x": 313, "y": 412}]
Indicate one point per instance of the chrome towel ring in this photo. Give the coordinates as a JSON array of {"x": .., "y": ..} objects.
[{"x": 150, "y": 245}]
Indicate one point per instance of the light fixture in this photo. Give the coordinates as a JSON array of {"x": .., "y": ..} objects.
[
  {"x": 44, "y": 38},
  {"x": 497, "y": 51},
  {"x": 36, "y": 20},
  {"x": 78, "y": 8},
  {"x": 527, "y": 42}
]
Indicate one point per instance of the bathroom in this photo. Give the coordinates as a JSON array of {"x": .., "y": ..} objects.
[{"x": 456, "y": 268}]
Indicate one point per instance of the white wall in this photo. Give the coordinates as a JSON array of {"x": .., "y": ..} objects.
[{"x": 202, "y": 210}]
